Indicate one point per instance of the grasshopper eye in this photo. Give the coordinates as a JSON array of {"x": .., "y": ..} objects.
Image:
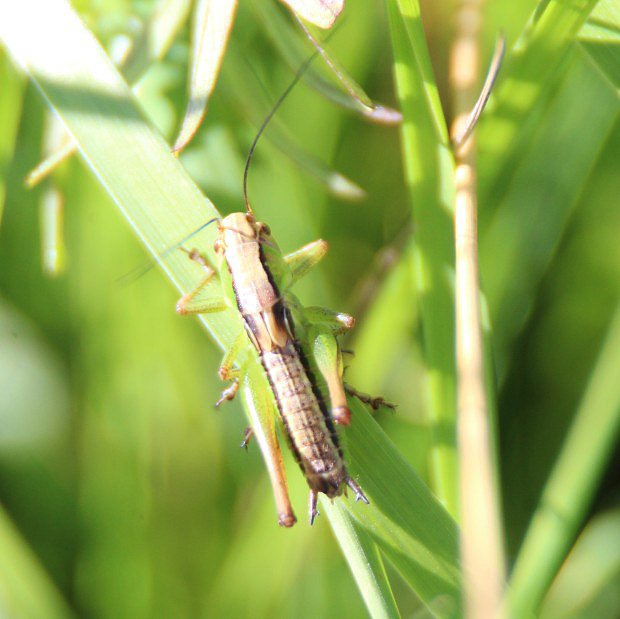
[{"x": 264, "y": 229}]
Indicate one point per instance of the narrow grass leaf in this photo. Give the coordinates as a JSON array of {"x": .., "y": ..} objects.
[
  {"x": 537, "y": 204},
  {"x": 572, "y": 483},
  {"x": 11, "y": 95},
  {"x": 374, "y": 112},
  {"x": 321, "y": 13},
  {"x": 156, "y": 38},
  {"x": 336, "y": 183},
  {"x": 154, "y": 41},
  {"x": 532, "y": 69},
  {"x": 26, "y": 591},
  {"x": 364, "y": 560},
  {"x": 600, "y": 37},
  {"x": 588, "y": 584},
  {"x": 349, "y": 94},
  {"x": 44, "y": 168},
  {"x": 429, "y": 173},
  {"x": 243, "y": 95},
  {"x": 213, "y": 22},
  {"x": 53, "y": 250},
  {"x": 408, "y": 523}
]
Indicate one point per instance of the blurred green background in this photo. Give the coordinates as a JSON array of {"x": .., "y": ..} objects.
[{"x": 116, "y": 471}]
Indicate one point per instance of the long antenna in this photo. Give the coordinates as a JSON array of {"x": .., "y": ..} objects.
[{"x": 274, "y": 109}]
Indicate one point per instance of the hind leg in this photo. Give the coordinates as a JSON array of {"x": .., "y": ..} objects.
[{"x": 374, "y": 402}]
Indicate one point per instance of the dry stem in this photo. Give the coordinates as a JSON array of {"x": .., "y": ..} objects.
[{"x": 481, "y": 542}]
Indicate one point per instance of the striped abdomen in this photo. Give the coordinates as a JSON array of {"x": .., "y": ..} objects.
[{"x": 310, "y": 432}]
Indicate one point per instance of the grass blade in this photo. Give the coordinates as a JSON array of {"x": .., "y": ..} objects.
[
  {"x": 376, "y": 113},
  {"x": 480, "y": 512},
  {"x": 409, "y": 525},
  {"x": 429, "y": 173},
  {"x": 364, "y": 560},
  {"x": 243, "y": 95},
  {"x": 600, "y": 37},
  {"x": 572, "y": 482},
  {"x": 544, "y": 187},
  {"x": 10, "y": 111},
  {"x": 531, "y": 70},
  {"x": 212, "y": 24},
  {"x": 589, "y": 583},
  {"x": 25, "y": 588},
  {"x": 349, "y": 95},
  {"x": 321, "y": 13},
  {"x": 152, "y": 45},
  {"x": 156, "y": 38}
]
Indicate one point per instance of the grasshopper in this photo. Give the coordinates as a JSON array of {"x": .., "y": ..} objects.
[{"x": 255, "y": 278}]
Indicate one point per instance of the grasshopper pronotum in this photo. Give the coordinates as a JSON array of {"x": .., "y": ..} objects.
[{"x": 292, "y": 342}]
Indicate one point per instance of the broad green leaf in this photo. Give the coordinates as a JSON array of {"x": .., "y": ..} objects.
[
  {"x": 429, "y": 174},
  {"x": 213, "y": 22},
  {"x": 571, "y": 486}
]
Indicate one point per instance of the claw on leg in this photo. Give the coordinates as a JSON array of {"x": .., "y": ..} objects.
[
  {"x": 247, "y": 436},
  {"x": 359, "y": 493},
  {"x": 228, "y": 394},
  {"x": 312, "y": 510}
]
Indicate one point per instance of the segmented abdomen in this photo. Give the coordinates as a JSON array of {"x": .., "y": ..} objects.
[{"x": 311, "y": 438}]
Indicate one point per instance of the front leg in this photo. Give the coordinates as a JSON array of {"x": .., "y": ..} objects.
[
  {"x": 188, "y": 304},
  {"x": 228, "y": 372}
]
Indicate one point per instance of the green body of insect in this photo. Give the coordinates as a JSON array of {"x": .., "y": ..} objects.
[{"x": 255, "y": 279}]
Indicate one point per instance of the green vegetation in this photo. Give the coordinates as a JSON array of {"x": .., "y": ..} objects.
[{"x": 123, "y": 493}]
